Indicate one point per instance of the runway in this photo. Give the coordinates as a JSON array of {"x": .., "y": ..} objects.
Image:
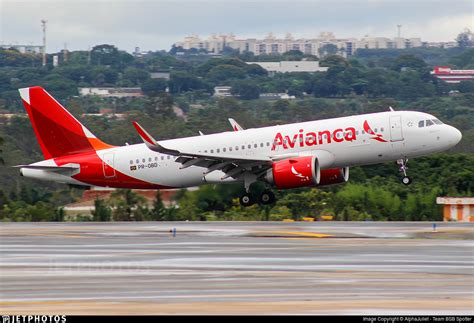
[{"x": 237, "y": 268}]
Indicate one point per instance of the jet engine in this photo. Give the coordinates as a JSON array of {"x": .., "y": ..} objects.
[{"x": 304, "y": 171}]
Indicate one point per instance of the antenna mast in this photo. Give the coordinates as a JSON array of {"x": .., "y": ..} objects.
[{"x": 43, "y": 24}]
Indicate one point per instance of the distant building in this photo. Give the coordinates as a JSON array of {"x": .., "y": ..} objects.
[
  {"x": 460, "y": 209},
  {"x": 85, "y": 205},
  {"x": 160, "y": 75},
  {"x": 291, "y": 67},
  {"x": 313, "y": 46},
  {"x": 276, "y": 96},
  {"x": 449, "y": 44},
  {"x": 111, "y": 92},
  {"x": 32, "y": 49},
  {"x": 448, "y": 75},
  {"x": 222, "y": 91}
]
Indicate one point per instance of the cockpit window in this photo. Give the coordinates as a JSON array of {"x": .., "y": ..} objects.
[
  {"x": 421, "y": 124},
  {"x": 436, "y": 121},
  {"x": 429, "y": 123}
]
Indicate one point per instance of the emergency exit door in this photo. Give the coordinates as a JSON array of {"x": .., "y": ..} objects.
[{"x": 108, "y": 165}]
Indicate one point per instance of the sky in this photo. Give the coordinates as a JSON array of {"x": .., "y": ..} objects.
[{"x": 157, "y": 24}]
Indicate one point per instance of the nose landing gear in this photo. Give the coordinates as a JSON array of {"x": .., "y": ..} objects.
[{"x": 402, "y": 163}]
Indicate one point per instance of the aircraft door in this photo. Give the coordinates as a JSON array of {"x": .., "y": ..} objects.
[
  {"x": 396, "y": 133},
  {"x": 108, "y": 165}
]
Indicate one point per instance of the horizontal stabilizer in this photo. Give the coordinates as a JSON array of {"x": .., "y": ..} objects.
[{"x": 56, "y": 169}]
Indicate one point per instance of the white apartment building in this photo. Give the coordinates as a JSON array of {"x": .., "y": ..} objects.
[
  {"x": 314, "y": 46},
  {"x": 291, "y": 67}
]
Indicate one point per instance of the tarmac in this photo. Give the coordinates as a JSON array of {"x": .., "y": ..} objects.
[{"x": 329, "y": 268}]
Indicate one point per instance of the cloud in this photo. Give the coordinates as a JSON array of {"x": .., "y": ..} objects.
[{"x": 154, "y": 25}]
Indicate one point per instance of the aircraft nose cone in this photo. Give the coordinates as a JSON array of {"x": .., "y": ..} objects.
[{"x": 455, "y": 135}]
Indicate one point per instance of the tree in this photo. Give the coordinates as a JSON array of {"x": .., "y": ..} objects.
[
  {"x": 463, "y": 87},
  {"x": 327, "y": 49},
  {"x": 102, "y": 211},
  {"x": 246, "y": 90},
  {"x": 293, "y": 55},
  {"x": 224, "y": 72},
  {"x": 183, "y": 82},
  {"x": 127, "y": 205},
  {"x": 159, "y": 211},
  {"x": 465, "y": 39},
  {"x": 409, "y": 61},
  {"x": 105, "y": 55},
  {"x": 333, "y": 61},
  {"x": 1, "y": 158},
  {"x": 153, "y": 87},
  {"x": 135, "y": 76}
]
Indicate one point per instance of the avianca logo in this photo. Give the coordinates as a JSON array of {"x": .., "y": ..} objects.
[
  {"x": 313, "y": 138},
  {"x": 302, "y": 139},
  {"x": 369, "y": 130},
  {"x": 298, "y": 174}
]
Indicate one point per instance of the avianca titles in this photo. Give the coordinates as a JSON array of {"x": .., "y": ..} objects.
[{"x": 313, "y": 153}]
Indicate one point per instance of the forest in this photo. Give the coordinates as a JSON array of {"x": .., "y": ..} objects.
[{"x": 371, "y": 81}]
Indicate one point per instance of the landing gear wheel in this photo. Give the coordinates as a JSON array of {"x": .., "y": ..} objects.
[
  {"x": 267, "y": 197},
  {"x": 246, "y": 200},
  {"x": 406, "y": 180},
  {"x": 402, "y": 163}
]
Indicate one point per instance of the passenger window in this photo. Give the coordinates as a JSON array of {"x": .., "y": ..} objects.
[
  {"x": 143, "y": 160},
  {"x": 218, "y": 150},
  {"x": 131, "y": 162},
  {"x": 223, "y": 149},
  {"x": 169, "y": 157},
  {"x": 255, "y": 146},
  {"x": 230, "y": 148},
  {"x": 243, "y": 147},
  {"x": 261, "y": 144},
  {"x": 381, "y": 129},
  {"x": 236, "y": 148},
  {"x": 268, "y": 144},
  {"x": 149, "y": 159},
  {"x": 156, "y": 158},
  {"x": 249, "y": 146},
  {"x": 421, "y": 124},
  {"x": 162, "y": 157},
  {"x": 429, "y": 123}
]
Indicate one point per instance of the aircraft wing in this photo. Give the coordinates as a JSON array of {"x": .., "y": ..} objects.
[
  {"x": 235, "y": 125},
  {"x": 233, "y": 166}
]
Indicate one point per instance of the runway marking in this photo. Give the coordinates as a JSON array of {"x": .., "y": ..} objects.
[{"x": 299, "y": 233}]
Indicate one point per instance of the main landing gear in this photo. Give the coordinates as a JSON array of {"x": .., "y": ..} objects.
[
  {"x": 265, "y": 198},
  {"x": 402, "y": 163}
]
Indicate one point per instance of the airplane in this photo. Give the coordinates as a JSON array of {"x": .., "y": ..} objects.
[{"x": 305, "y": 154}]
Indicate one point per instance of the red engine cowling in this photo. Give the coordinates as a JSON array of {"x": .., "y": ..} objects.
[
  {"x": 333, "y": 176},
  {"x": 294, "y": 172}
]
